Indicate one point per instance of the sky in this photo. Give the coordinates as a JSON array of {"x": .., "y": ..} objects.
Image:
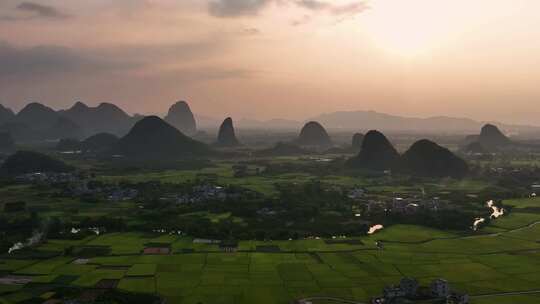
[{"x": 263, "y": 59}]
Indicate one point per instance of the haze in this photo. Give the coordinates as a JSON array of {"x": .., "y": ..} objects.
[{"x": 276, "y": 58}]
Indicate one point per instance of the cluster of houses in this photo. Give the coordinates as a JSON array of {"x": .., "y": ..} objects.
[
  {"x": 78, "y": 185},
  {"x": 111, "y": 193},
  {"x": 207, "y": 192},
  {"x": 48, "y": 178},
  {"x": 405, "y": 206},
  {"x": 409, "y": 288},
  {"x": 200, "y": 193},
  {"x": 397, "y": 204}
]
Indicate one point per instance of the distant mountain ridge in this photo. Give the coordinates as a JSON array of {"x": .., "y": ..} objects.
[
  {"x": 37, "y": 115},
  {"x": 32, "y": 121},
  {"x": 37, "y": 121},
  {"x": 104, "y": 118},
  {"x": 209, "y": 122},
  {"x": 365, "y": 120}
]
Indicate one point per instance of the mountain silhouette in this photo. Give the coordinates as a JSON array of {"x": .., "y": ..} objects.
[
  {"x": 377, "y": 153},
  {"x": 7, "y": 143},
  {"x": 37, "y": 116},
  {"x": 22, "y": 132},
  {"x": 65, "y": 128},
  {"x": 106, "y": 117},
  {"x": 357, "y": 140},
  {"x": 428, "y": 159},
  {"x": 313, "y": 134},
  {"x": 153, "y": 139},
  {"x": 364, "y": 120},
  {"x": 30, "y": 162},
  {"x": 492, "y": 137},
  {"x": 6, "y": 114},
  {"x": 181, "y": 117},
  {"x": 226, "y": 135},
  {"x": 99, "y": 142}
]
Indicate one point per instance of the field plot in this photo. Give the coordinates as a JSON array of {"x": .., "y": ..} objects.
[
  {"x": 141, "y": 270},
  {"x": 410, "y": 233},
  {"x": 44, "y": 267},
  {"x": 122, "y": 243},
  {"x": 90, "y": 279},
  {"x": 142, "y": 285}
]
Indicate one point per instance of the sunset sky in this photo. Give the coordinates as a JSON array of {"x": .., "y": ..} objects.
[{"x": 276, "y": 58}]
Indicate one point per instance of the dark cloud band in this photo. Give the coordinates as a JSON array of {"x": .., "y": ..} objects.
[
  {"x": 43, "y": 11},
  {"x": 237, "y": 8}
]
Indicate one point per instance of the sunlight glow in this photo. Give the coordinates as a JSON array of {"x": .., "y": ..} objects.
[{"x": 408, "y": 28}]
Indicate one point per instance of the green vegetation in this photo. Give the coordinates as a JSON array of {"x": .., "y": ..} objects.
[
  {"x": 268, "y": 230},
  {"x": 479, "y": 265}
]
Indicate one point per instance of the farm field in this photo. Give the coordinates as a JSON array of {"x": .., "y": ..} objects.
[{"x": 480, "y": 265}]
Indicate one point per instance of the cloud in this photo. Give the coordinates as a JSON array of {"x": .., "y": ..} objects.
[
  {"x": 313, "y": 4},
  {"x": 337, "y": 10},
  {"x": 42, "y": 11},
  {"x": 32, "y": 10},
  {"x": 236, "y": 8},
  {"x": 185, "y": 62},
  {"x": 35, "y": 62}
]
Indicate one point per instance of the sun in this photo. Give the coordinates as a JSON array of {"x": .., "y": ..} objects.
[{"x": 407, "y": 28}]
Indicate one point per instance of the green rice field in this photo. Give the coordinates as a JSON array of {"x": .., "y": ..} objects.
[{"x": 484, "y": 265}]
